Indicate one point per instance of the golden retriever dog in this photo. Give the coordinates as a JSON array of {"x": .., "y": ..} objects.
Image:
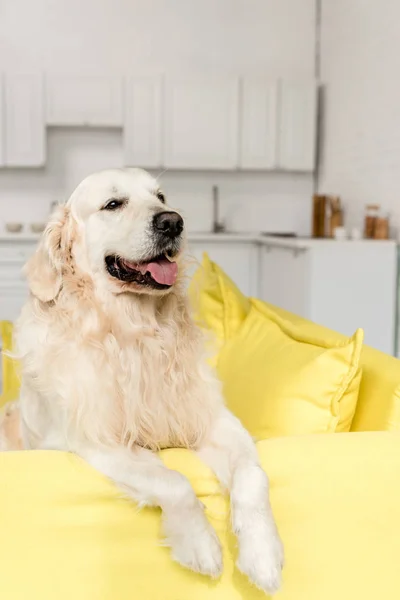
[{"x": 113, "y": 369}]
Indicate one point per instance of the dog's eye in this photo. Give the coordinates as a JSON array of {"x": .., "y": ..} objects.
[
  {"x": 113, "y": 204},
  {"x": 161, "y": 197}
]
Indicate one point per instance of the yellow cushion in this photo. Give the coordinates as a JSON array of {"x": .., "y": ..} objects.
[
  {"x": 9, "y": 372},
  {"x": 278, "y": 379},
  {"x": 67, "y": 533},
  {"x": 378, "y": 405}
]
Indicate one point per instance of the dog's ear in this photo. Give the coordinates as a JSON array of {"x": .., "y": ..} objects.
[{"x": 44, "y": 269}]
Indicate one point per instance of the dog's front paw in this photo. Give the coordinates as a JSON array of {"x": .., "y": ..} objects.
[
  {"x": 194, "y": 542},
  {"x": 201, "y": 553},
  {"x": 261, "y": 557}
]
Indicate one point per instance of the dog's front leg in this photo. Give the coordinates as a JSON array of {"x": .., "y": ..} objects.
[
  {"x": 232, "y": 455},
  {"x": 142, "y": 475}
]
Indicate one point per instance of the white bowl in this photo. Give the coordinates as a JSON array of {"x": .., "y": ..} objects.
[
  {"x": 37, "y": 227},
  {"x": 14, "y": 227}
]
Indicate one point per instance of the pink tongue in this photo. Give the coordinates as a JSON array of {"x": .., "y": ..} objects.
[{"x": 163, "y": 271}]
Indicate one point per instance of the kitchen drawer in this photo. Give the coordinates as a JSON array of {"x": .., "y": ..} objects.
[
  {"x": 13, "y": 251},
  {"x": 238, "y": 259},
  {"x": 11, "y": 270},
  {"x": 12, "y": 299}
]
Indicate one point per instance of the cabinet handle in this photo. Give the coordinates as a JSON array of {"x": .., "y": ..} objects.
[{"x": 296, "y": 250}]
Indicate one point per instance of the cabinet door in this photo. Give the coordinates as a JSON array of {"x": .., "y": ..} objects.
[
  {"x": 24, "y": 121},
  {"x": 12, "y": 299},
  {"x": 259, "y": 124},
  {"x": 142, "y": 127},
  {"x": 84, "y": 101},
  {"x": 2, "y": 124},
  {"x": 354, "y": 285},
  {"x": 285, "y": 279},
  {"x": 238, "y": 260},
  {"x": 298, "y": 122},
  {"x": 201, "y": 124}
]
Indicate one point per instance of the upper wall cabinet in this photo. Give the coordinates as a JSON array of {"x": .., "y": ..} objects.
[
  {"x": 142, "y": 130},
  {"x": 201, "y": 123},
  {"x": 188, "y": 123},
  {"x": 278, "y": 125},
  {"x": 298, "y": 122},
  {"x": 24, "y": 126},
  {"x": 84, "y": 101},
  {"x": 259, "y": 124}
]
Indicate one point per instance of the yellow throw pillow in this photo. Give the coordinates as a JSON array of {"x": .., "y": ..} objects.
[
  {"x": 219, "y": 306},
  {"x": 11, "y": 382},
  {"x": 378, "y": 404},
  {"x": 218, "y": 303},
  {"x": 280, "y": 381}
]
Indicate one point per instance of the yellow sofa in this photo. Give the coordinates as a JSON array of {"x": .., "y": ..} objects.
[{"x": 67, "y": 533}]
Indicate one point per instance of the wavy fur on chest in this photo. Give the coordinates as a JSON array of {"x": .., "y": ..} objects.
[{"x": 129, "y": 370}]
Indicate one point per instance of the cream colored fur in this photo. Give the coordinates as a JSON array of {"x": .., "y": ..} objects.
[{"x": 114, "y": 373}]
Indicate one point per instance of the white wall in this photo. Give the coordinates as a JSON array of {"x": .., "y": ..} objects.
[
  {"x": 158, "y": 36},
  {"x": 166, "y": 35},
  {"x": 360, "y": 50}
]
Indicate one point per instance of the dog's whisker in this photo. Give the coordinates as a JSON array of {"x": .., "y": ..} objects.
[{"x": 161, "y": 174}]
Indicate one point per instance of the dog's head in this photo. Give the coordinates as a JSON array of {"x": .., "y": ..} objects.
[{"x": 117, "y": 229}]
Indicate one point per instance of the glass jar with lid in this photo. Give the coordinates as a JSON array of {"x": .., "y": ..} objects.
[{"x": 371, "y": 215}]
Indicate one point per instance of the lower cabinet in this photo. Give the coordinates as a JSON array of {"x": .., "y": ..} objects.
[
  {"x": 341, "y": 285},
  {"x": 239, "y": 260}
]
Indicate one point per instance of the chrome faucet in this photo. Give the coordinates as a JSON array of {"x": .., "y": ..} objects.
[{"x": 218, "y": 226}]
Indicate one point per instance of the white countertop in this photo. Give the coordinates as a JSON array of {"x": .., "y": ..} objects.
[
  {"x": 223, "y": 237},
  {"x": 19, "y": 237},
  {"x": 305, "y": 243},
  {"x": 254, "y": 238},
  {"x": 26, "y": 237}
]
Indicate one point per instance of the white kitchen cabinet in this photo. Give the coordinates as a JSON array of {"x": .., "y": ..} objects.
[
  {"x": 12, "y": 300},
  {"x": 285, "y": 278},
  {"x": 239, "y": 259},
  {"x": 14, "y": 252},
  {"x": 84, "y": 101},
  {"x": 201, "y": 123},
  {"x": 24, "y": 121},
  {"x": 142, "y": 122},
  {"x": 341, "y": 285},
  {"x": 297, "y": 126},
  {"x": 259, "y": 124}
]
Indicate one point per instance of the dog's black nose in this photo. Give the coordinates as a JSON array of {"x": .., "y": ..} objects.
[{"x": 168, "y": 223}]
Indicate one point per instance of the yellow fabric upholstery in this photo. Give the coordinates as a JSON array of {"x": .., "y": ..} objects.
[
  {"x": 67, "y": 533},
  {"x": 9, "y": 374}
]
